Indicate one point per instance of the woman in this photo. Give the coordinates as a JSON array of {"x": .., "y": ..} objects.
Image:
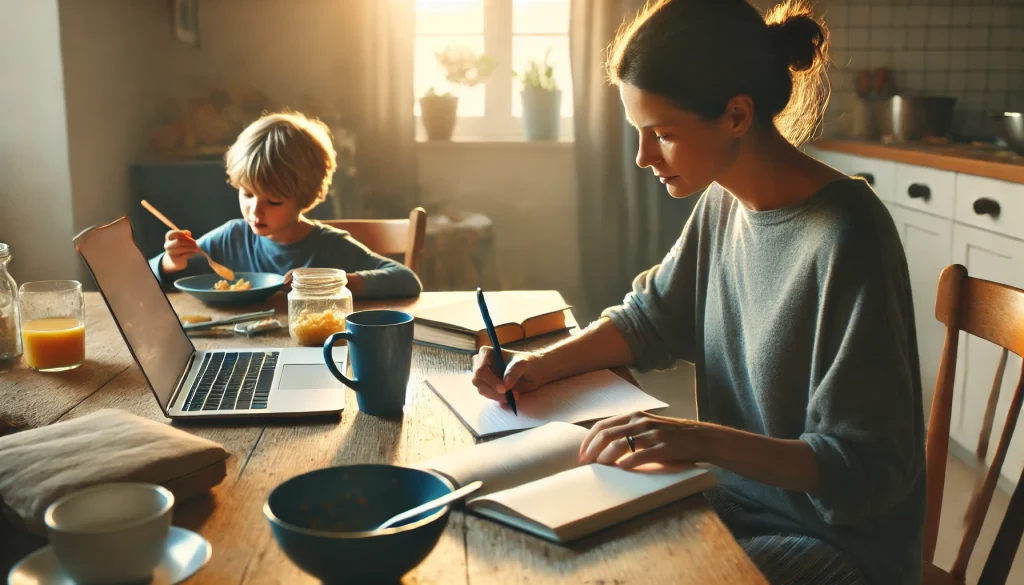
[{"x": 788, "y": 290}]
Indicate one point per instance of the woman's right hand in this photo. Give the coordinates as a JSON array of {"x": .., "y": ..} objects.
[
  {"x": 178, "y": 248},
  {"x": 523, "y": 373}
]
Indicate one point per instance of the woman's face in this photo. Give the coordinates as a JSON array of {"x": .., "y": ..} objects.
[{"x": 683, "y": 149}]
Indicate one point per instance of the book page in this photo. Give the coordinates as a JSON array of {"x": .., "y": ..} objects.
[
  {"x": 587, "y": 397},
  {"x": 505, "y": 307},
  {"x": 513, "y": 460},
  {"x": 582, "y": 500}
]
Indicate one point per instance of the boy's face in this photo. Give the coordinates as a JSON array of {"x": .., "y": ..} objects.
[{"x": 267, "y": 215}]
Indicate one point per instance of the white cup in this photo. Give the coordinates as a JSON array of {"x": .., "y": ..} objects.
[{"x": 111, "y": 533}]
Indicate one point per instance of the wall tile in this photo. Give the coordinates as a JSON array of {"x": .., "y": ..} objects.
[{"x": 970, "y": 49}]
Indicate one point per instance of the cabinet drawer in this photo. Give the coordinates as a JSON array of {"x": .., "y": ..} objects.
[
  {"x": 880, "y": 174},
  {"x": 925, "y": 189},
  {"x": 990, "y": 204}
]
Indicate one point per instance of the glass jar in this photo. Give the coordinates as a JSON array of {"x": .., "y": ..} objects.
[
  {"x": 10, "y": 322},
  {"x": 318, "y": 304}
]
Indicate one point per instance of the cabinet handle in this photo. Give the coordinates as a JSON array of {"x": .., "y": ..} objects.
[
  {"x": 919, "y": 191},
  {"x": 986, "y": 206},
  {"x": 868, "y": 177}
]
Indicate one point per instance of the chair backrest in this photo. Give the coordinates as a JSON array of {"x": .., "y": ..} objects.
[
  {"x": 390, "y": 236},
  {"x": 994, "y": 312}
]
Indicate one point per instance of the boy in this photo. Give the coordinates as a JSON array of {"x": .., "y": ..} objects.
[{"x": 282, "y": 166}]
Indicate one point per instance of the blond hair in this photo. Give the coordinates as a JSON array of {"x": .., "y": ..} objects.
[{"x": 286, "y": 155}]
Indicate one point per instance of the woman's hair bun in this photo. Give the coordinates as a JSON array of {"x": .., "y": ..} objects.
[{"x": 799, "y": 39}]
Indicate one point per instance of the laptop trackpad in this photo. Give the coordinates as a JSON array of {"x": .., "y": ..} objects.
[{"x": 306, "y": 377}]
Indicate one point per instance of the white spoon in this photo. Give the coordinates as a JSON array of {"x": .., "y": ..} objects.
[{"x": 437, "y": 503}]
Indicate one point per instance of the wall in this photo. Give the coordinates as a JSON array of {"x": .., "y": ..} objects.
[
  {"x": 35, "y": 184},
  {"x": 969, "y": 49},
  {"x": 529, "y": 192},
  {"x": 112, "y": 53},
  {"x": 296, "y": 53},
  {"x": 123, "y": 71}
]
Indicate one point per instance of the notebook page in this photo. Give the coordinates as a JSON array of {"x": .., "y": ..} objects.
[
  {"x": 585, "y": 499},
  {"x": 587, "y": 397},
  {"x": 513, "y": 460}
]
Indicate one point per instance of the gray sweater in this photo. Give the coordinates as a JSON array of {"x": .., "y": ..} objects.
[{"x": 800, "y": 324}]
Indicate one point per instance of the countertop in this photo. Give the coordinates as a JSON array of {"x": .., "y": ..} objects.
[{"x": 973, "y": 159}]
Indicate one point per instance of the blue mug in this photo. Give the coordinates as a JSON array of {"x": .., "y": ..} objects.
[{"x": 380, "y": 352}]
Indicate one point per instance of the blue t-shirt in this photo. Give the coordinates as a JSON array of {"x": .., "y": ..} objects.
[{"x": 237, "y": 247}]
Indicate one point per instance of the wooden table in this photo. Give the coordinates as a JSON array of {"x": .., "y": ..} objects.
[{"x": 681, "y": 543}]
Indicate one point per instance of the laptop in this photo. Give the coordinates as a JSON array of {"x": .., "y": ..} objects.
[{"x": 188, "y": 382}]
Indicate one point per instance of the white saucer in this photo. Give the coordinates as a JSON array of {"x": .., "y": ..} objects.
[{"x": 185, "y": 553}]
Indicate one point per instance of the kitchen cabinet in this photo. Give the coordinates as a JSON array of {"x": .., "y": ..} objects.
[
  {"x": 944, "y": 218},
  {"x": 927, "y": 243}
]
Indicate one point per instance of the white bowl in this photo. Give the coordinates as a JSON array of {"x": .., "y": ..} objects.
[{"x": 110, "y": 533}]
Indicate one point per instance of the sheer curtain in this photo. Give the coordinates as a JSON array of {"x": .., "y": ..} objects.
[
  {"x": 627, "y": 221},
  {"x": 384, "y": 124}
]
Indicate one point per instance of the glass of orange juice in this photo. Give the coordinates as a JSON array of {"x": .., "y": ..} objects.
[{"x": 52, "y": 325}]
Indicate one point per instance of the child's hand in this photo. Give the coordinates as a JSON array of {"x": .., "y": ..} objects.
[{"x": 178, "y": 248}]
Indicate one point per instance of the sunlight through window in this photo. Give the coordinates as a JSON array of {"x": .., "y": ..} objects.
[{"x": 511, "y": 32}]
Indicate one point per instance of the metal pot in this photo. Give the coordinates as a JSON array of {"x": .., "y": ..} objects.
[
  {"x": 917, "y": 117},
  {"x": 1011, "y": 129}
]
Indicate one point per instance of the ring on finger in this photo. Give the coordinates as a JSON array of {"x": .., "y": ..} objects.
[{"x": 631, "y": 443}]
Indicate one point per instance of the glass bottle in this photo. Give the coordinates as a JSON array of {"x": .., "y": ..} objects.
[
  {"x": 318, "y": 304},
  {"x": 10, "y": 322}
]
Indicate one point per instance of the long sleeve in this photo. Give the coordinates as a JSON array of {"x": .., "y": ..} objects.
[
  {"x": 864, "y": 419},
  {"x": 657, "y": 316},
  {"x": 383, "y": 278}
]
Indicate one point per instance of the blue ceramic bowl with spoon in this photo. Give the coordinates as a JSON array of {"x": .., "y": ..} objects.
[
  {"x": 263, "y": 284},
  {"x": 326, "y": 521}
]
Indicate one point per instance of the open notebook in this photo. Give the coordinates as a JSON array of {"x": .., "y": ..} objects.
[
  {"x": 533, "y": 481},
  {"x": 591, "y": 396},
  {"x": 517, "y": 315}
]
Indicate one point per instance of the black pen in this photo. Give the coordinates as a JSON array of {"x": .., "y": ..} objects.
[{"x": 499, "y": 358}]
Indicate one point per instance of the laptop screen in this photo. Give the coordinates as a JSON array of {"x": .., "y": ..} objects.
[{"x": 147, "y": 322}]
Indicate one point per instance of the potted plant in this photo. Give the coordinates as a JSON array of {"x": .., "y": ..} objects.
[
  {"x": 462, "y": 67},
  {"x": 542, "y": 100}
]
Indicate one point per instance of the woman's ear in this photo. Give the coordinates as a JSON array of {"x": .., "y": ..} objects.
[{"x": 739, "y": 115}]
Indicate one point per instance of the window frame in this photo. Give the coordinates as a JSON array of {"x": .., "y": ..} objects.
[{"x": 497, "y": 123}]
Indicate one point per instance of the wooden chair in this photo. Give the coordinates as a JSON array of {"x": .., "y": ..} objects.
[
  {"x": 390, "y": 236},
  {"x": 994, "y": 312}
]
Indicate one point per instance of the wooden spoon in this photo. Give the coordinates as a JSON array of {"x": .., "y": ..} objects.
[{"x": 220, "y": 269}]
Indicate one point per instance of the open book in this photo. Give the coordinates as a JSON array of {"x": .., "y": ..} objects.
[
  {"x": 533, "y": 481},
  {"x": 517, "y": 316},
  {"x": 591, "y": 396}
]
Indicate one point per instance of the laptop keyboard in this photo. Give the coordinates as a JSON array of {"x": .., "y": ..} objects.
[{"x": 233, "y": 381}]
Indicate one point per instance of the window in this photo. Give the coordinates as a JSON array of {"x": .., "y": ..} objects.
[{"x": 511, "y": 32}]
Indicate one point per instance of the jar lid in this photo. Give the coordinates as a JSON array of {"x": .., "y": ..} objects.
[
  {"x": 5, "y": 252},
  {"x": 318, "y": 279}
]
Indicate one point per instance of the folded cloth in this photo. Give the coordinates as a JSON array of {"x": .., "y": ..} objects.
[{"x": 40, "y": 465}]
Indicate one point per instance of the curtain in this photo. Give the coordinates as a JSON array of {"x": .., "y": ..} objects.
[
  {"x": 383, "y": 120},
  {"x": 627, "y": 220}
]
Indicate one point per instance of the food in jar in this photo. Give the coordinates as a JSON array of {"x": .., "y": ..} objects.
[
  {"x": 242, "y": 284},
  {"x": 311, "y": 328}
]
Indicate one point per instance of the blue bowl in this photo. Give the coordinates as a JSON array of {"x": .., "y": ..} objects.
[
  {"x": 324, "y": 521},
  {"x": 264, "y": 284}
]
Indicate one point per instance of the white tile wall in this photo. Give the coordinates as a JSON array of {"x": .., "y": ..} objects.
[{"x": 969, "y": 49}]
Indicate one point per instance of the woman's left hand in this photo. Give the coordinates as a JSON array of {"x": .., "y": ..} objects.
[{"x": 657, "y": 439}]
